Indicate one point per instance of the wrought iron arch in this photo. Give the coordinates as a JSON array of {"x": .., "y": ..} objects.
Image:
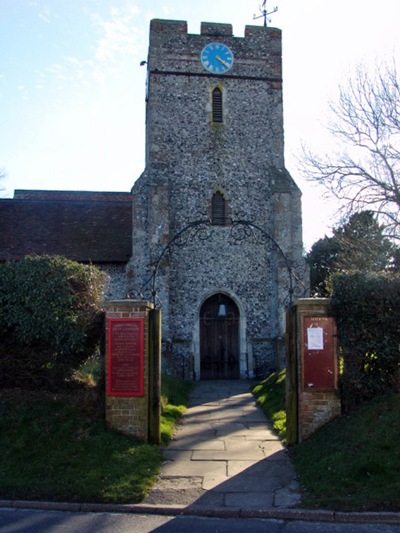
[{"x": 239, "y": 231}]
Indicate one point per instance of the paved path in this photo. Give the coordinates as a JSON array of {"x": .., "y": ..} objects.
[{"x": 225, "y": 455}]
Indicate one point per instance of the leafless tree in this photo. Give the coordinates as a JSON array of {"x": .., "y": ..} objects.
[{"x": 363, "y": 170}]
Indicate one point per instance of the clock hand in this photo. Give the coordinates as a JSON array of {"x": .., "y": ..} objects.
[{"x": 227, "y": 65}]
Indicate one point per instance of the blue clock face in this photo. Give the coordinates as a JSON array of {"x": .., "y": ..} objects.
[{"x": 217, "y": 58}]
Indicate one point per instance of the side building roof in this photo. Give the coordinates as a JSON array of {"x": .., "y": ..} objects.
[{"x": 82, "y": 226}]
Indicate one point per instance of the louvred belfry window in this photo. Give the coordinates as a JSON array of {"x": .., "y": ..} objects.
[
  {"x": 217, "y": 115},
  {"x": 218, "y": 210}
]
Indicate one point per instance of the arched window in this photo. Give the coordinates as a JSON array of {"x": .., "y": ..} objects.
[
  {"x": 218, "y": 209},
  {"x": 217, "y": 115}
]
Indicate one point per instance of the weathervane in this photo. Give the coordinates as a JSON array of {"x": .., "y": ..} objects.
[{"x": 265, "y": 13}]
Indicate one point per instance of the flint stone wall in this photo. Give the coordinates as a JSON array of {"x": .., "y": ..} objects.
[{"x": 188, "y": 158}]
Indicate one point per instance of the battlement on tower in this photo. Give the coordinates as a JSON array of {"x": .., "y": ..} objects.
[
  {"x": 165, "y": 29},
  {"x": 213, "y": 28},
  {"x": 257, "y": 54}
]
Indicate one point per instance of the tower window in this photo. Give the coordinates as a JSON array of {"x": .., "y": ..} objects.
[
  {"x": 218, "y": 210},
  {"x": 217, "y": 115}
]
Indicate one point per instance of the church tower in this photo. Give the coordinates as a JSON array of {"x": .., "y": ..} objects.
[{"x": 215, "y": 211}]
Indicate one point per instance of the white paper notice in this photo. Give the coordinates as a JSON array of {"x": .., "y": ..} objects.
[{"x": 315, "y": 338}]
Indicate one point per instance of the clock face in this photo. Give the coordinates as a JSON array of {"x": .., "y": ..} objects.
[{"x": 217, "y": 58}]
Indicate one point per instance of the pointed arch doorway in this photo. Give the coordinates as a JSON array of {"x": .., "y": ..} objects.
[{"x": 219, "y": 338}]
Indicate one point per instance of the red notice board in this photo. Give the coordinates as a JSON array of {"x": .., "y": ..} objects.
[
  {"x": 125, "y": 357},
  {"x": 319, "y": 353}
]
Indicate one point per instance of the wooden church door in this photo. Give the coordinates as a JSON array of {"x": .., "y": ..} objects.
[{"x": 219, "y": 338}]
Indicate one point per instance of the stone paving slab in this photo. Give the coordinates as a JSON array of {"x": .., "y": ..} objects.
[
  {"x": 188, "y": 434},
  {"x": 212, "y": 445},
  {"x": 189, "y": 441},
  {"x": 261, "y": 435},
  {"x": 250, "y": 482},
  {"x": 231, "y": 415},
  {"x": 201, "y": 410},
  {"x": 177, "y": 455},
  {"x": 212, "y": 481},
  {"x": 204, "y": 432},
  {"x": 237, "y": 467},
  {"x": 280, "y": 455},
  {"x": 201, "y": 431},
  {"x": 283, "y": 469},
  {"x": 270, "y": 447},
  {"x": 259, "y": 426},
  {"x": 225, "y": 455},
  {"x": 193, "y": 468},
  {"x": 252, "y": 417},
  {"x": 242, "y": 444},
  {"x": 230, "y": 429}
]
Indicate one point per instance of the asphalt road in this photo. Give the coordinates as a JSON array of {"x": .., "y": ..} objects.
[{"x": 33, "y": 521}]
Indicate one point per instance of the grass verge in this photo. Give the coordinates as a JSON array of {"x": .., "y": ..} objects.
[
  {"x": 174, "y": 399},
  {"x": 352, "y": 464},
  {"x": 57, "y": 448},
  {"x": 270, "y": 394}
]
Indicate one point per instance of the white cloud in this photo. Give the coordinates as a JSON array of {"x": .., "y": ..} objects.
[
  {"x": 115, "y": 39},
  {"x": 119, "y": 36},
  {"x": 57, "y": 71},
  {"x": 43, "y": 17},
  {"x": 44, "y": 14}
]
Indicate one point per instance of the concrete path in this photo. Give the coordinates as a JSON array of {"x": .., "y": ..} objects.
[{"x": 225, "y": 455}]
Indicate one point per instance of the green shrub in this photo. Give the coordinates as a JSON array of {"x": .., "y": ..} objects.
[
  {"x": 367, "y": 310},
  {"x": 50, "y": 319}
]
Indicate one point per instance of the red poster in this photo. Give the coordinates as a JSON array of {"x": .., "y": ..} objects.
[
  {"x": 125, "y": 357},
  {"x": 319, "y": 353}
]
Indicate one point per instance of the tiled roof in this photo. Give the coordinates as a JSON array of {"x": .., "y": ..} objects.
[
  {"x": 37, "y": 194},
  {"x": 95, "y": 227}
]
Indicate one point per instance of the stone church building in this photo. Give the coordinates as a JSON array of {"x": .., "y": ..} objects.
[{"x": 212, "y": 229}]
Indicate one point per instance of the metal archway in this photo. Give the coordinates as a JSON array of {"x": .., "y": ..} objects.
[{"x": 240, "y": 230}]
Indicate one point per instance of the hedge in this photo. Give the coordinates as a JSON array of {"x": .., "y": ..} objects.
[
  {"x": 367, "y": 311},
  {"x": 50, "y": 319}
]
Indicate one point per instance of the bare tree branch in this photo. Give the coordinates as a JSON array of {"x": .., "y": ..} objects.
[{"x": 363, "y": 171}]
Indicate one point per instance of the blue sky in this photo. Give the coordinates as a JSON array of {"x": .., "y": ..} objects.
[{"x": 72, "y": 90}]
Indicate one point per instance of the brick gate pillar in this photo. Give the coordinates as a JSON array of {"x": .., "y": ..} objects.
[
  {"x": 312, "y": 369},
  {"x": 127, "y": 367}
]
